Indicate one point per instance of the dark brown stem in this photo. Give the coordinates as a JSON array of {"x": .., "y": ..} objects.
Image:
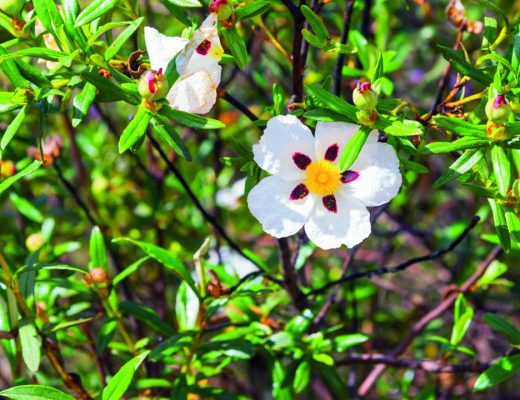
[
  {"x": 238, "y": 104},
  {"x": 420, "y": 325},
  {"x": 290, "y": 276}
]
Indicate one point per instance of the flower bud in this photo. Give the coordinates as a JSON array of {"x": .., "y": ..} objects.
[
  {"x": 153, "y": 85},
  {"x": 498, "y": 109},
  {"x": 12, "y": 7},
  {"x": 222, "y": 8},
  {"x": 98, "y": 275},
  {"x": 516, "y": 188},
  {"x": 365, "y": 98},
  {"x": 366, "y": 117},
  {"x": 34, "y": 242},
  {"x": 7, "y": 169},
  {"x": 497, "y": 132}
]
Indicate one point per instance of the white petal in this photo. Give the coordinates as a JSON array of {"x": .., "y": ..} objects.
[
  {"x": 270, "y": 204},
  {"x": 284, "y": 136},
  {"x": 195, "y": 93},
  {"x": 379, "y": 177},
  {"x": 330, "y": 133},
  {"x": 161, "y": 48},
  {"x": 350, "y": 225}
]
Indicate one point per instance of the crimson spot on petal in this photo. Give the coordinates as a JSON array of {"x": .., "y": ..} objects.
[
  {"x": 332, "y": 152},
  {"x": 301, "y": 160},
  {"x": 203, "y": 48},
  {"x": 299, "y": 192},
  {"x": 330, "y": 203},
  {"x": 349, "y": 176}
]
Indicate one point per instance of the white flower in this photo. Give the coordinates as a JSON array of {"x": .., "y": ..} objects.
[
  {"x": 195, "y": 90},
  {"x": 230, "y": 197},
  {"x": 308, "y": 188}
]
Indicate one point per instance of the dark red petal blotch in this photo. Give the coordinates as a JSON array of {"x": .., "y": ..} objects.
[
  {"x": 301, "y": 160},
  {"x": 299, "y": 192},
  {"x": 330, "y": 203},
  {"x": 332, "y": 152},
  {"x": 349, "y": 176}
]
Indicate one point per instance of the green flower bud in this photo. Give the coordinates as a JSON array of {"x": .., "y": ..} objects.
[
  {"x": 222, "y": 8},
  {"x": 153, "y": 85},
  {"x": 12, "y": 7},
  {"x": 497, "y": 132},
  {"x": 498, "y": 109},
  {"x": 34, "y": 242},
  {"x": 365, "y": 98},
  {"x": 366, "y": 117}
]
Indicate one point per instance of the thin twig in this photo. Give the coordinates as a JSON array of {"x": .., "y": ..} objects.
[
  {"x": 423, "y": 365},
  {"x": 291, "y": 278},
  {"x": 238, "y": 104},
  {"x": 420, "y": 325},
  {"x": 402, "y": 266}
]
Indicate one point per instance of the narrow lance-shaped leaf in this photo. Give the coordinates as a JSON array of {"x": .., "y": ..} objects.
[
  {"x": 191, "y": 120},
  {"x": 98, "y": 251},
  {"x": 13, "y": 127},
  {"x": 82, "y": 102},
  {"x": 497, "y": 373},
  {"x": 499, "y": 220},
  {"x": 165, "y": 130},
  {"x": 462, "y": 165},
  {"x": 120, "y": 382},
  {"x": 353, "y": 147},
  {"x": 31, "y": 344},
  {"x": 13, "y": 179},
  {"x": 317, "y": 25},
  {"x": 332, "y": 102},
  {"x": 503, "y": 327},
  {"x": 135, "y": 130},
  {"x": 94, "y": 10},
  {"x": 116, "y": 45},
  {"x": 501, "y": 167},
  {"x": 458, "y": 62},
  {"x": 34, "y": 392},
  {"x": 237, "y": 46},
  {"x": 461, "y": 127}
]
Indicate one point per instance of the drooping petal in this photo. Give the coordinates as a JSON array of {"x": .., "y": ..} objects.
[
  {"x": 195, "y": 93},
  {"x": 283, "y": 137},
  {"x": 349, "y": 224},
  {"x": 161, "y": 48},
  {"x": 271, "y": 205},
  {"x": 379, "y": 178}
]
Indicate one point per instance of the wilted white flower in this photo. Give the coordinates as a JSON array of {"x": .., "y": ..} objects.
[
  {"x": 197, "y": 63},
  {"x": 308, "y": 189}
]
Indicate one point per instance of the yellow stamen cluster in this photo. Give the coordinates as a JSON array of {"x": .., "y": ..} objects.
[{"x": 323, "y": 177}]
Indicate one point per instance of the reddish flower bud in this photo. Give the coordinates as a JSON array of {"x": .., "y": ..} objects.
[
  {"x": 365, "y": 98},
  {"x": 222, "y": 8},
  {"x": 153, "y": 85}
]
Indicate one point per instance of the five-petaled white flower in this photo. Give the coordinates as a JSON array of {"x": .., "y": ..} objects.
[
  {"x": 197, "y": 63},
  {"x": 308, "y": 189}
]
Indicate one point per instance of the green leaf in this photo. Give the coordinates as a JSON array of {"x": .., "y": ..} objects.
[
  {"x": 513, "y": 224},
  {"x": 177, "y": 12},
  {"x": 497, "y": 373},
  {"x": 334, "y": 103},
  {"x": 26, "y": 208},
  {"x": 458, "y": 63},
  {"x": 129, "y": 270},
  {"x": 120, "y": 382},
  {"x": 344, "y": 342},
  {"x": 502, "y": 168},
  {"x": 462, "y": 165},
  {"x": 148, "y": 316},
  {"x": 463, "y": 316},
  {"x": 191, "y": 120},
  {"x": 82, "y": 102},
  {"x": 168, "y": 134},
  {"x": 98, "y": 251},
  {"x": 165, "y": 258},
  {"x": 257, "y": 7},
  {"x": 353, "y": 147},
  {"x": 495, "y": 269},
  {"x": 49, "y": 15},
  {"x": 404, "y": 128},
  {"x": 109, "y": 90},
  {"x": 116, "y": 45},
  {"x": 237, "y": 47},
  {"x": 504, "y": 327},
  {"x": 317, "y": 25},
  {"x": 94, "y": 10},
  {"x": 379, "y": 68},
  {"x": 135, "y": 130},
  {"x": 35, "y": 52},
  {"x": 302, "y": 376},
  {"x": 313, "y": 39},
  {"x": 31, "y": 344},
  {"x": 499, "y": 220},
  {"x": 13, "y": 127},
  {"x": 468, "y": 142},
  {"x": 187, "y": 3},
  {"x": 10, "y": 69},
  {"x": 6, "y": 183},
  {"x": 35, "y": 392},
  {"x": 186, "y": 307},
  {"x": 461, "y": 127}
]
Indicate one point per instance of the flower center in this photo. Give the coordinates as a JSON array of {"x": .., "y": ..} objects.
[{"x": 323, "y": 177}]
